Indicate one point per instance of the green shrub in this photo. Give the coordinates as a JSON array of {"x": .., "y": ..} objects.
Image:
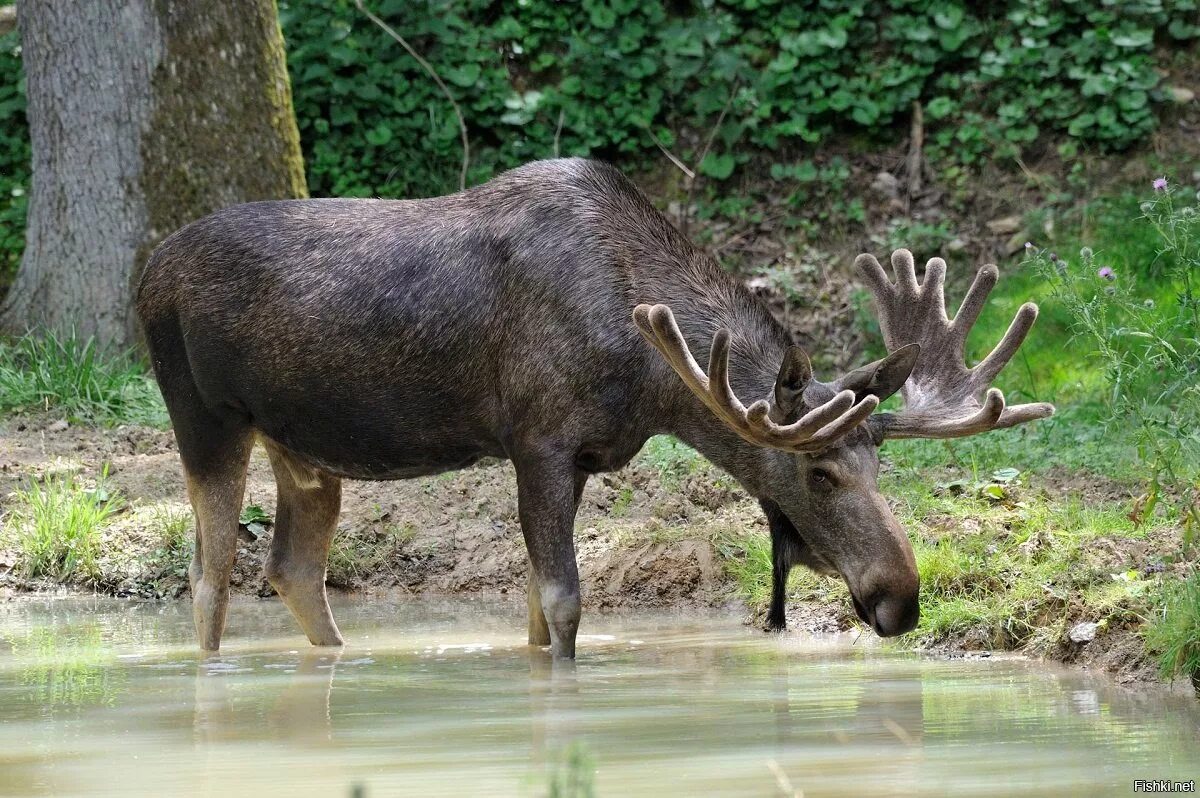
[
  {"x": 991, "y": 75},
  {"x": 56, "y": 526},
  {"x": 14, "y": 158},
  {"x": 74, "y": 376},
  {"x": 541, "y": 77}
]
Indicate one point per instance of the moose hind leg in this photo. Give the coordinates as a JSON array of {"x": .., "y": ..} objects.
[
  {"x": 305, "y": 521},
  {"x": 214, "y": 461},
  {"x": 547, "y": 490}
]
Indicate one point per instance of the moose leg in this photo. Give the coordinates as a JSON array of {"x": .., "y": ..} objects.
[
  {"x": 783, "y": 544},
  {"x": 305, "y": 520},
  {"x": 777, "y": 614},
  {"x": 546, "y": 503},
  {"x": 214, "y": 461},
  {"x": 539, "y": 631}
]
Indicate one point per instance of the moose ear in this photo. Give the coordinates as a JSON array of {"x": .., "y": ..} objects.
[
  {"x": 883, "y": 377},
  {"x": 794, "y": 376}
]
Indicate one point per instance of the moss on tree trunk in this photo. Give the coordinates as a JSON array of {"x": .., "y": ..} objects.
[{"x": 143, "y": 116}]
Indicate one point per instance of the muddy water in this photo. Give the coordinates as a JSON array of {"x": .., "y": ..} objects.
[{"x": 101, "y": 697}]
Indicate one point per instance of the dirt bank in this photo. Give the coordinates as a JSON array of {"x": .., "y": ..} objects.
[{"x": 639, "y": 543}]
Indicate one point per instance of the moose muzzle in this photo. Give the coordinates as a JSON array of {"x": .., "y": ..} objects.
[{"x": 890, "y": 614}]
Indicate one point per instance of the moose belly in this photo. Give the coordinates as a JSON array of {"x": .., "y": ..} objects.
[{"x": 361, "y": 438}]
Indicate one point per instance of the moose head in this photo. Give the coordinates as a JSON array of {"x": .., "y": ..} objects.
[{"x": 814, "y": 461}]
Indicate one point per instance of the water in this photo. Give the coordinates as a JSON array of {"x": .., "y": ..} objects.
[{"x": 432, "y": 697}]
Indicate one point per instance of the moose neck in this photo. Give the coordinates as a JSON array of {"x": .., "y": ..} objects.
[{"x": 705, "y": 298}]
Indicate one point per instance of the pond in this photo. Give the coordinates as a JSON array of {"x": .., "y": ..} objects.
[{"x": 434, "y": 696}]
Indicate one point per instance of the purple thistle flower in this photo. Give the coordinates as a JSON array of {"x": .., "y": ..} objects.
[
  {"x": 1160, "y": 184},
  {"x": 1107, "y": 273}
]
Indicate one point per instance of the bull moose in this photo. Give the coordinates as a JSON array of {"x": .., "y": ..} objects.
[{"x": 552, "y": 317}]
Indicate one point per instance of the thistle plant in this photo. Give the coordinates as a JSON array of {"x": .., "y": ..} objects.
[{"x": 1150, "y": 350}]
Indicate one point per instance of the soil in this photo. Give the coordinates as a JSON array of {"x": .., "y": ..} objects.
[
  {"x": 644, "y": 539},
  {"x": 453, "y": 533}
]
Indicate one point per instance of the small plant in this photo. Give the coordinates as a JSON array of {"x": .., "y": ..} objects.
[
  {"x": 72, "y": 375},
  {"x": 255, "y": 520},
  {"x": 574, "y": 776},
  {"x": 56, "y": 524},
  {"x": 175, "y": 548},
  {"x": 672, "y": 459},
  {"x": 1175, "y": 635}
]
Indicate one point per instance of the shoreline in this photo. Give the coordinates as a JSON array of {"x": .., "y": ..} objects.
[{"x": 669, "y": 530}]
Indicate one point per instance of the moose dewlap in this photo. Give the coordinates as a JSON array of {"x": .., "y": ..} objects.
[{"x": 552, "y": 317}]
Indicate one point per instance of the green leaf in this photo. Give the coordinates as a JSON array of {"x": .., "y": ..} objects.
[
  {"x": 252, "y": 513},
  {"x": 1005, "y": 475},
  {"x": 466, "y": 75},
  {"x": 716, "y": 166},
  {"x": 379, "y": 135},
  {"x": 995, "y": 492}
]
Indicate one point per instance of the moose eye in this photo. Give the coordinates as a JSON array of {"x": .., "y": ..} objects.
[{"x": 821, "y": 478}]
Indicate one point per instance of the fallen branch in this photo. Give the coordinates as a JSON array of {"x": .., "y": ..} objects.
[
  {"x": 462, "y": 123},
  {"x": 689, "y": 173},
  {"x": 916, "y": 154},
  {"x": 671, "y": 156},
  {"x": 712, "y": 135},
  {"x": 562, "y": 114}
]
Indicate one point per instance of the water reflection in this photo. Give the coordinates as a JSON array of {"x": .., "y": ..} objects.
[{"x": 438, "y": 698}]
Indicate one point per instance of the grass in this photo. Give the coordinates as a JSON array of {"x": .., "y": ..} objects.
[
  {"x": 56, "y": 523},
  {"x": 355, "y": 555},
  {"x": 1016, "y": 570},
  {"x": 75, "y": 377},
  {"x": 1175, "y": 633},
  {"x": 176, "y": 539},
  {"x": 672, "y": 459}
]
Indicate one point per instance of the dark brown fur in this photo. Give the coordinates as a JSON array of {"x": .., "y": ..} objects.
[{"x": 372, "y": 339}]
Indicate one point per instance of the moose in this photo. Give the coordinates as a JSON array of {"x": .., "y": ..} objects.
[{"x": 552, "y": 317}]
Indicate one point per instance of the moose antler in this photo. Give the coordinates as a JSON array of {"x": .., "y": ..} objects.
[
  {"x": 943, "y": 398},
  {"x": 816, "y": 430}
]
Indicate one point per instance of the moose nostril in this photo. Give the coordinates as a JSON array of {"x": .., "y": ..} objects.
[{"x": 894, "y": 615}]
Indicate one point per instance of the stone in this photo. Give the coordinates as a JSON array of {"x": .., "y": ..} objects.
[
  {"x": 1084, "y": 632},
  {"x": 1180, "y": 95},
  {"x": 58, "y": 426},
  {"x": 886, "y": 184},
  {"x": 1005, "y": 225},
  {"x": 1016, "y": 243}
]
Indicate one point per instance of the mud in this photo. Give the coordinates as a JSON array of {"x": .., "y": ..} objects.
[{"x": 638, "y": 542}]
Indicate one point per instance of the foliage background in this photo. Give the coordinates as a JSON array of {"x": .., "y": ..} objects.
[{"x": 993, "y": 79}]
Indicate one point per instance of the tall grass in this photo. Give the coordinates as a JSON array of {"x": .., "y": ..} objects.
[
  {"x": 1146, "y": 343},
  {"x": 1175, "y": 634},
  {"x": 76, "y": 377},
  {"x": 56, "y": 526}
]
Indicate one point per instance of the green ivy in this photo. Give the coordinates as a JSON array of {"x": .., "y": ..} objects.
[
  {"x": 993, "y": 77},
  {"x": 14, "y": 158}
]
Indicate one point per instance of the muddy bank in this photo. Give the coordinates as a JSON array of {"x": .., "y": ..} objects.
[
  {"x": 667, "y": 531},
  {"x": 640, "y": 541}
]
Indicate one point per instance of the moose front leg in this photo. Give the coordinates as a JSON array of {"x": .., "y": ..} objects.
[
  {"x": 784, "y": 539},
  {"x": 539, "y": 631},
  {"x": 548, "y": 489}
]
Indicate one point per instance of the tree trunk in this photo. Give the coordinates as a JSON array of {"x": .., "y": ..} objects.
[{"x": 143, "y": 116}]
